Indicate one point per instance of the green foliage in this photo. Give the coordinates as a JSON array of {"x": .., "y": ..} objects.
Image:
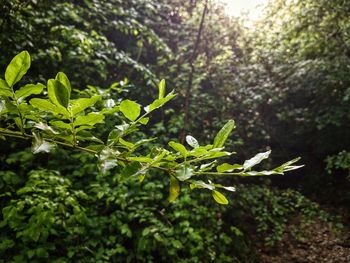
[
  {"x": 285, "y": 81},
  {"x": 273, "y": 210},
  {"x": 71, "y": 126},
  {"x": 47, "y": 218},
  {"x": 219, "y": 197},
  {"x": 341, "y": 161},
  {"x": 223, "y": 134},
  {"x": 48, "y": 212},
  {"x": 106, "y": 37},
  {"x": 17, "y": 68}
]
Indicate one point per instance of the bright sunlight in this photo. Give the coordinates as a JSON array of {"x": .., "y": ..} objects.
[{"x": 253, "y": 8}]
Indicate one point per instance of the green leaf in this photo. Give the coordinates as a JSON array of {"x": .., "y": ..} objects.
[
  {"x": 58, "y": 93},
  {"x": 141, "y": 177},
  {"x": 198, "y": 152},
  {"x": 214, "y": 155},
  {"x": 61, "y": 125},
  {"x": 159, "y": 102},
  {"x": 10, "y": 107},
  {"x": 5, "y": 90},
  {"x": 40, "y": 145},
  {"x": 113, "y": 137},
  {"x": 45, "y": 127},
  {"x": 260, "y": 173},
  {"x": 91, "y": 119},
  {"x": 184, "y": 173},
  {"x": 223, "y": 134},
  {"x": 83, "y": 135},
  {"x": 18, "y": 66},
  {"x": 28, "y": 90},
  {"x": 179, "y": 148},
  {"x": 207, "y": 166},
  {"x": 45, "y": 105},
  {"x": 18, "y": 122},
  {"x": 160, "y": 156},
  {"x": 288, "y": 166},
  {"x": 3, "y": 84},
  {"x": 226, "y": 167},
  {"x": 131, "y": 169},
  {"x": 84, "y": 127},
  {"x": 5, "y": 93},
  {"x": 107, "y": 159},
  {"x": 125, "y": 143},
  {"x": 62, "y": 78},
  {"x": 141, "y": 159},
  {"x": 130, "y": 109},
  {"x": 174, "y": 189},
  {"x": 83, "y": 103},
  {"x": 144, "y": 141},
  {"x": 201, "y": 184},
  {"x": 219, "y": 197},
  {"x": 228, "y": 188},
  {"x": 161, "y": 88},
  {"x": 256, "y": 160},
  {"x": 192, "y": 141},
  {"x": 144, "y": 121}
]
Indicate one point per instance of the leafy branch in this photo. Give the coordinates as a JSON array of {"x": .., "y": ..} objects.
[{"x": 54, "y": 118}]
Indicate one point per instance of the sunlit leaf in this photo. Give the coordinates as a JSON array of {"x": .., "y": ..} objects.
[
  {"x": 226, "y": 167},
  {"x": 5, "y": 90},
  {"x": 127, "y": 144},
  {"x": 207, "y": 166},
  {"x": 159, "y": 102},
  {"x": 40, "y": 145},
  {"x": 223, "y": 134},
  {"x": 113, "y": 137},
  {"x": 228, "y": 188},
  {"x": 83, "y": 127},
  {"x": 256, "y": 160},
  {"x": 91, "y": 119},
  {"x": 160, "y": 156},
  {"x": 260, "y": 173},
  {"x": 45, "y": 127},
  {"x": 107, "y": 159},
  {"x": 288, "y": 166},
  {"x": 4, "y": 85},
  {"x": 219, "y": 197},
  {"x": 192, "y": 141},
  {"x": 141, "y": 159},
  {"x": 11, "y": 107},
  {"x": 184, "y": 173},
  {"x": 201, "y": 184},
  {"x": 28, "y": 90},
  {"x": 61, "y": 125},
  {"x": 18, "y": 66},
  {"x": 62, "y": 78},
  {"x": 198, "y": 152},
  {"x": 214, "y": 155},
  {"x": 2, "y": 106},
  {"x": 45, "y": 105},
  {"x": 58, "y": 93},
  {"x": 81, "y": 104},
  {"x": 179, "y": 148},
  {"x": 131, "y": 169},
  {"x": 161, "y": 87},
  {"x": 83, "y": 135},
  {"x": 130, "y": 109},
  {"x": 174, "y": 189},
  {"x": 144, "y": 121}
]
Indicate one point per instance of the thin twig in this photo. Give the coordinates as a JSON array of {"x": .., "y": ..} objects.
[{"x": 190, "y": 78}]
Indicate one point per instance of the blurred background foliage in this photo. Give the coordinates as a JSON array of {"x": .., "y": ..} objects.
[{"x": 285, "y": 80}]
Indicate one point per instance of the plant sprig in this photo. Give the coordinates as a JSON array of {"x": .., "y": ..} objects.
[{"x": 55, "y": 119}]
